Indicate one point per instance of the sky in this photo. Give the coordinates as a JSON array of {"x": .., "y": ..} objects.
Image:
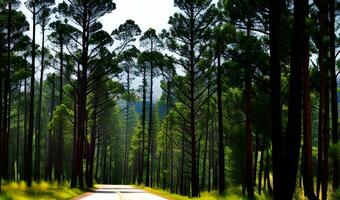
[{"x": 146, "y": 13}]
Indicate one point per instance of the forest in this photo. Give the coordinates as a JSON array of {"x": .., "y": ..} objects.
[{"x": 248, "y": 106}]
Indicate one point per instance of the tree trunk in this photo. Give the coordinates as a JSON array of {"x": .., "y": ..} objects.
[
  {"x": 126, "y": 146},
  {"x": 141, "y": 172},
  {"x": 38, "y": 116},
  {"x": 91, "y": 150},
  {"x": 25, "y": 121},
  {"x": 149, "y": 151},
  {"x": 324, "y": 96},
  {"x": 334, "y": 100},
  {"x": 249, "y": 143},
  {"x": 181, "y": 177},
  {"x": 267, "y": 176},
  {"x": 256, "y": 158},
  {"x": 293, "y": 135},
  {"x": 59, "y": 141},
  {"x": 74, "y": 142},
  {"x": 28, "y": 160},
  {"x": 276, "y": 8},
  {"x": 259, "y": 188},
  {"x": 206, "y": 140},
  {"x": 221, "y": 176},
  {"x": 49, "y": 140},
  {"x": 307, "y": 127},
  {"x": 18, "y": 135}
]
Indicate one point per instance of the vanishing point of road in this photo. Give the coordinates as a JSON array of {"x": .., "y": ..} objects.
[{"x": 118, "y": 192}]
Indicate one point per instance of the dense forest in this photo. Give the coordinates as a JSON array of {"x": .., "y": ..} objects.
[{"x": 249, "y": 97}]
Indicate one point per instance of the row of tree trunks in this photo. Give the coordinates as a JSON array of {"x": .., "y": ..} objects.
[{"x": 5, "y": 117}]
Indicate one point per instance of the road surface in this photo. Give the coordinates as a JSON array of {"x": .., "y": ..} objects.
[{"x": 118, "y": 192}]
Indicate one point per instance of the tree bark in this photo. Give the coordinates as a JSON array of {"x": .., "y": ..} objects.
[
  {"x": 221, "y": 173},
  {"x": 126, "y": 146},
  {"x": 307, "y": 125},
  {"x": 28, "y": 160},
  {"x": 18, "y": 134},
  {"x": 38, "y": 116},
  {"x": 149, "y": 151},
  {"x": 141, "y": 173},
  {"x": 259, "y": 188},
  {"x": 249, "y": 143},
  {"x": 334, "y": 100},
  {"x": 276, "y": 8},
  {"x": 59, "y": 141}
]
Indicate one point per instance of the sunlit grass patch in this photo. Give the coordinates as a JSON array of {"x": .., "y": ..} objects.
[
  {"x": 233, "y": 193},
  {"x": 42, "y": 190}
]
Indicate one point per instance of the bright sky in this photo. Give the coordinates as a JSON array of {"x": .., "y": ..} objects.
[{"x": 146, "y": 13}]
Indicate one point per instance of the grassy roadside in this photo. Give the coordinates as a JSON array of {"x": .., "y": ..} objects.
[
  {"x": 41, "y": 191},
  {"x": 232, "y": 194}
]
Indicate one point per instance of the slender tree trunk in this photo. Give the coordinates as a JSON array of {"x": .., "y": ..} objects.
[
  {"x": 255, "y": 159},
  {"x": 249, "y": 143},
  {"x": 141, "y": 173},
  {"x": 158, "y": 175},
  {"x": 221, "y": 173},
  {"x": 28, "y": 160},
  {"x": 320, "y": 146},
  {"x": 38, "y": 117},
  {"x": 182, "y": 169},
  {"x": 334, "y": 100},
  {"x": 126, "y": 146},
  {"x": 259, "y": 188},
  {"x": 91, "y": 149},
  {"x": 25, "y": 121},
  {"x": 166, "y": 150},
  {"x": 60, "y": 143},
  {"x": 97, "y": 158},
  {"x": 206, "y": 140},
  {"x": 267, "y": 176},
  {"x": 149, "y": 151},
  {"x": 276, "y": 8},
  {"x": 49, "y": 141},
  {"x": 307, "y": 128},
  {"x": 74, "y": 142},
  {"x": 104, "y": 174},
  {"x": 172, "y": 166},
  {"x": 18, "y": 135}
]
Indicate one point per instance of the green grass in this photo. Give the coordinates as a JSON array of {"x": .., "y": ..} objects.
[
  {"x": 41, "y": 191},
  {"x": 232, "y": 194}
]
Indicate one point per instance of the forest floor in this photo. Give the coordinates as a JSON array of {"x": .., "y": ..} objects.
[{"x": 42, "y": 190}]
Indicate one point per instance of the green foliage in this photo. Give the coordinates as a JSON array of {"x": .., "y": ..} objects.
[
  {"x": 334, "y": 151},
  {"x": 61, "y": 110},
  {"x": 337, "y": 194}
]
